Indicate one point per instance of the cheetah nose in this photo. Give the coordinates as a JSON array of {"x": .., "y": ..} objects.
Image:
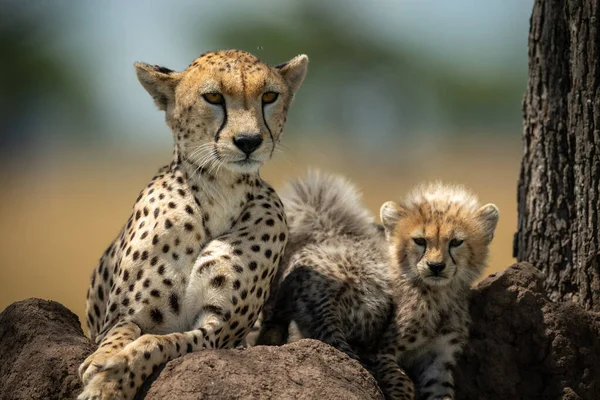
[
  {"x": 436, "y": 267},
  {"x": 247, "y": 143}
]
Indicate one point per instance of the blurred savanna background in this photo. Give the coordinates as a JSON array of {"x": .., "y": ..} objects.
[{"x": 397, "y": 92}]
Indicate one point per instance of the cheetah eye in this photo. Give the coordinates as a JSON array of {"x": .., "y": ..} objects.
[
  {"x": 420, "y": 241},
  {"x": 456, "y": 242},
  {"x": 214, "y": 98},
  {"x": 269, "y": 97}
]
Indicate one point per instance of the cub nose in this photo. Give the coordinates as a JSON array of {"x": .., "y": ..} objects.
[
  {"x": 436, "y": 267},
  {"x": 247, "y": 143}
]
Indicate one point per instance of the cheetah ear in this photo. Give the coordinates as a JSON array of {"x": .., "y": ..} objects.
[
  {"x": 390, "y": 214},
  {"x": 160, "y": 82},
  {"x": 488, "y": 216},
  {"x": 294, "y": 71}
]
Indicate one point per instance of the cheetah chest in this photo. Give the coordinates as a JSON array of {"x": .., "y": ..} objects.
[{"x": 230, "y": 280}]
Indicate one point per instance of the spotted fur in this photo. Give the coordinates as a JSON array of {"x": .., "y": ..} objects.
[
  {"x": 192, "y": 266},
  {"x": 372, "y": 294}
]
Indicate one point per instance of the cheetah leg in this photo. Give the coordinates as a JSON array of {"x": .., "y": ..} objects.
[
  {"x": 124, "y": 373},
  {"x": 115, "y": 340},
  {"x": 274, "y": 327},
  {"x": 251, "y": 338},
  {"x": 219, "y": 271},
  {"x": 315, "y": 314},
  {"x": 324, "y": 318},
  {"x": 392, "y": 380},
  {"x": 272, "y": 333},
  {"x": 327, "y": 327},
  {"x": 436, "y": 381},
  {"x": 97, "y": 295}
]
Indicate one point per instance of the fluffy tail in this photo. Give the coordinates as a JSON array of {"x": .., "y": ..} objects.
[{"x": 324, "y": 205}]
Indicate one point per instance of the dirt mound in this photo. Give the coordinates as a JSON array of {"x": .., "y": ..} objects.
[
  {"x": 42, "y": 345},
  {"x": 307, "y": 369},
  {"x": 522, "y": 347}
]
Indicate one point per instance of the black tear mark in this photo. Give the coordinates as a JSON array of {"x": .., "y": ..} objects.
[
  {"x": 280, "y": 66},
  {"x": 269, "y": 130},
  {"x": 218, "y": 134}
]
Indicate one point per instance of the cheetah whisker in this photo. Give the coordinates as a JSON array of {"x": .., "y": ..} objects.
[
  {"x": 285, "y": 156},
  {"x": 197, "y": 157},
  {"x": 283, "y": 147},
  {"x": 200, "y": 151}
]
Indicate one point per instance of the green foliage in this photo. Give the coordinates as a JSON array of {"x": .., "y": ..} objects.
[
  {"x": 34, "y": 77},
  {"x": 346, "y": 58}
]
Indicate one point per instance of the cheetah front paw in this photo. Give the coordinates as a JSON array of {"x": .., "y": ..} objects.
[
  {"x": 109, "y": 381},
  {"x": 93, "y": 365},
  {"x": 101, "y": 388}
]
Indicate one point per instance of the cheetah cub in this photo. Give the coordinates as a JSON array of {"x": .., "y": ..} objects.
[
  {"x": 438, "y": 239},
  {"x": 397, "y": 304},
  {"x": 192, "y": 266}
]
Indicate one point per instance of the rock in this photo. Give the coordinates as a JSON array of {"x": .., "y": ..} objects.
[
  {"x": 42, "y": 345},
  {"x": 522, "y": 346},
  {"x": 307, "y": 369}
]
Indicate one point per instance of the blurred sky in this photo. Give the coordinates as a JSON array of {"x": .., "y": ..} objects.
[{"x": 404, "y": 68}]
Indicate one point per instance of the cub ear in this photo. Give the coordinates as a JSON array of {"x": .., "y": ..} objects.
[
  {"x": 390, "y": 214},
  {"x": 488, "y": 216},
  {"x": 160, "y": 82},
  {"x": 294, "y": 71}
]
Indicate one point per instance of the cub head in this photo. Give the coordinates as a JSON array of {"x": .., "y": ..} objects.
[
  {"x": 227, "y": 108},
  {"x": 439, "y": 235}
]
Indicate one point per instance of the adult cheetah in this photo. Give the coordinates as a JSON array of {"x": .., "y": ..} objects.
[{"x": 192, "y": 266}]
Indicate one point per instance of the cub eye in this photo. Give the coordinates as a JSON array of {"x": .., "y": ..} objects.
[
  {"x": 420, "y": 241},
  {"x": 456, "y": 242},
  {"x": 214, "y": 98},
  {"x": 269, "y": 97}
]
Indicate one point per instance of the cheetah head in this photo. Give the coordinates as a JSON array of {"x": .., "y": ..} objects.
[
  {"x": 227, "y": 108},
  {"x": 439, "y": 235}
]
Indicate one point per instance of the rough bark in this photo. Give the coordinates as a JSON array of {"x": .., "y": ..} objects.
[
  {"x": 522, "y": 347},
  {"x": 559, "y": 183}
]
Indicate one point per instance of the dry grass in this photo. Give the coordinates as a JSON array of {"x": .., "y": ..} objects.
[{"x": 57, "y": 221}]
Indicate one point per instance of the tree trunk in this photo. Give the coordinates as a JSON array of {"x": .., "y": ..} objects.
[{"x": 558, "y": 196}]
